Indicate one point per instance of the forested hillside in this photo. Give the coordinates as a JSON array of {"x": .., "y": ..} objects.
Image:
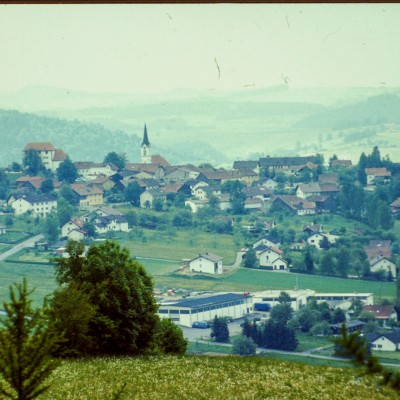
[
  {"x": 87, "y": 141},
  {"x": 381, "y": 109}
]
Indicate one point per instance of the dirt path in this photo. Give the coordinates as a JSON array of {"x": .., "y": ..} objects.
[{"x": 27, "y": 243}]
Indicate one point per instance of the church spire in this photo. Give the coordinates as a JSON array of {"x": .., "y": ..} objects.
[
  {"x": 145, "y": 137},
  {"x": 146, "y": 148}
]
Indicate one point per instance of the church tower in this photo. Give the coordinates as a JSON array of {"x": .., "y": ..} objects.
[{"x": 146, "y": 148}]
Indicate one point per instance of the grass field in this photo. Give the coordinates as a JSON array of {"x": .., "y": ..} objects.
[
  {"x": 13, "y": 236},
  {"x": 39, "y": 277},
  {"x": 256, "y": 280},
  {"x": 209, "y": 378},
  {"x": 184, "y": 244}
]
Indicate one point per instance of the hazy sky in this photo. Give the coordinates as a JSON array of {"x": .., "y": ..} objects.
[{"x": 147, "y": 48}]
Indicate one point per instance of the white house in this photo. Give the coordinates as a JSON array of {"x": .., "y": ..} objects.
[
  {"x": 89, "y": 171},
  {"x": 195, "y": 205},
  {"x": 271, "y": 258},
  {"x": 117, "y": 223},
  {"x": 72, "y": 224},
  {"x": 266, "y": 241},
  {"x": 207, "y": 263},
  {"x": 39, "y": 205},
  {"x": 384, "y": 341},
  {"x": 380, "y": 263},
  {"x": 76, "y": 234},
  {"x": 148, "y": 196},
  {"x": 3, "y": 230},
  {"x": 204, "y": 308}
]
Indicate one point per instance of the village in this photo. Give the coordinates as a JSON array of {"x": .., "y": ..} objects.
[{"x": 254, "y": 201}]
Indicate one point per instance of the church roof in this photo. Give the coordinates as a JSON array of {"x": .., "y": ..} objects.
[{"x": 145, "y": 137}]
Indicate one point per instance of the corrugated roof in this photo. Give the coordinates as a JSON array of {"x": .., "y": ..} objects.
[{"x": 208, "y": 300}]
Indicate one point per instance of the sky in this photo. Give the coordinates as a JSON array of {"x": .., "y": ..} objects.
[{"x": 150, "y": 48}]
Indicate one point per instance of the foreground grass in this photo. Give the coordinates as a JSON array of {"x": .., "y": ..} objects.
[{"x": 216, "y": 377}]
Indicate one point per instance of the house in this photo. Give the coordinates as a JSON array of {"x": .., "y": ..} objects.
[
  {"x": 312, "y": 228},
  {"x": 395, "y": 206},
  {"x": 271, "y": 258},
  {"x": 108, "y": 211},
  {"x": 116, "y": 223},
  {"x": 341, "y": 163},
  {"x": 351, "y": 326},
  {"x": 305, "y": 190},
  {"x": 287, "y": 165},
  {"x": 73, "y": 224},
  {"x": 103, "y": 182},
  {"x": 323, "y": 204},
  {"x": 38, "y": 205},
  {"x": 50, "y": 156},
  {"x": 382, "y": 313},
  {"x": 195, "y": 205},
  {"x": 224, "y": 201},
  {"x": 204, "y": 308},
  {"x": 89, "y": 171},
  {"x": 315, "y": 239},
  {"x": 30, "y": 183},
  {"x": 293, "y": 204},
  {"x": 246, "y": 166},
  {"x": 3, "y": 230},
  {"x": 257, "y": 192},
  {"x": 266, "y": 241},
  {"x": 206, "y": 263},
  {"x": 381, "y": 263},
  {"x": 375, "y": 175},
  {"x": 203, "y": 191},
  {"x": 148, "y": 196},
  {"x": 384, "y": 341},
  {"x": 253, "y": 204},
  {"x": 88, "y": 194},
  {"x": 378, "y": 248},
  {"x": 328, "y": 178},
  {"x": 268, "y": 183}
]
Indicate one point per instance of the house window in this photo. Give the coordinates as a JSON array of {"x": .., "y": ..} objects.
[{"x": 379, "y": 346}]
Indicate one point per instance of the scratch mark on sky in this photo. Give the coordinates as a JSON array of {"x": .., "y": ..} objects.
[
  {"x": 330, "y": 34},
  {"x": 219, "y": 71}
]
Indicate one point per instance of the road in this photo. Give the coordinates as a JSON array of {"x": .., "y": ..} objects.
[{"x": 27, "y": 243}]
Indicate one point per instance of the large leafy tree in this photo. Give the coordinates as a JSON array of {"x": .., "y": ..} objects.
[
  {"x": 118, "y": 160},
  {"x": 33, "y": 163},
  {"x": 50, "y": 228},
  {"x": 132, "y": 193},
  {"x": 67, "y": 171},
  {"x": 26, "y": 345},
  {"x": 124, "y": 321}
]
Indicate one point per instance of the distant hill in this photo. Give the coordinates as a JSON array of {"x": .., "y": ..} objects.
[
  {"x": 372, "y": 111},
  {"x": 87, "y": 141}
]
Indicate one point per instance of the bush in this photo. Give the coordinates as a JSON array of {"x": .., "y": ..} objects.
[{"x": 244, "y": 346}]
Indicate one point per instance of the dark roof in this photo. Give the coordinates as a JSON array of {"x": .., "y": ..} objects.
[
  {"x": 209, "y": 256},
  {"x": 392, "y": 336},
  {"x": 39, "y": 198},
  {"x": 208, "y": 300},
  {"x": 285, "y": 161},
  {"x": 245, "y": 164},
  {"x": 145, "y": 137}
]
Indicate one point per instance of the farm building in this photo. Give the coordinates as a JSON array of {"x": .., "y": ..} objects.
[
  {"x": 206, "y": 262},
  {"x": 204, "y": 308}
]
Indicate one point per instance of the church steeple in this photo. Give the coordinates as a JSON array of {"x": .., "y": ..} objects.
[
  {"x": 146, "y": 147},
  {"x": 145, "y": 137}
]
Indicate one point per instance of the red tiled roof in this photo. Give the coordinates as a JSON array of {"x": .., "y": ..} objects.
[
  {"x": 157, "y": 159},
  {"x": 59, "y": 155},
  {"x": 84, "y": 190},
  {"x": 378, "y": 172},
  {"x": 39, "y": 146},
  {"x": 380, "y": 312}
]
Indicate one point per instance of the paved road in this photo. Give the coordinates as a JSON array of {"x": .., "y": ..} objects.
[{"x": 28, "y": 243}]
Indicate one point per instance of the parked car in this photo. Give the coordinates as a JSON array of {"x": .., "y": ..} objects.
[{"x": 200, "y": 324}]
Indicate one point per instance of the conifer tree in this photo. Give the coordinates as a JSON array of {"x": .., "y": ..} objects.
[{"x": 26, "y": 345}]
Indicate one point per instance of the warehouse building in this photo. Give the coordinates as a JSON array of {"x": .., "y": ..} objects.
[{"x": 204, "y": 308}]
